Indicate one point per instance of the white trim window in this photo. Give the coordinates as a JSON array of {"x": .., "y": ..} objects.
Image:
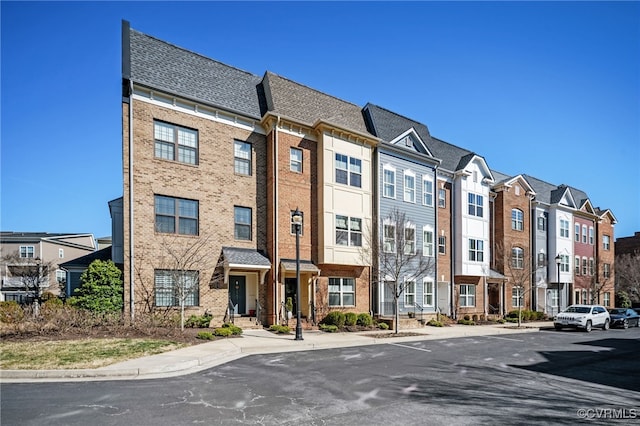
[
  {"x": 591, "y": 235},
  {"x": 427, "y": 296},
  {"x": 442, "y": 198},
  {"x": 442, "y": 244},
  {"x": 342, "y": 292},
  {"x": 176, "y": 143},
  {"x": 27, "y": 252},
  {"x": 564, "y": 228},
  {"x": 517, "y": 258},
  {"x": 427, "y": 241},
  {"x": 517, "y": 297},
  {"x": 348, "y": 170},
  {"x": 564, "y": 263},
  {"x": 542, "y": 223},
  {"x": 295, "y": 160},
  {"x": 584, "y": 266},
  {"x": 427, "y": 191},
  {"x": 242, "y": 158},
  {"x": 606, "y": 270},
  {"x": 176, "y": 215},
  {"x": 606, "y": 298},
  {"x": 242, "y": 223},
  {"x": 409, "y": 293},
  {"x": 348, "y": 231},
  {"x": 517, "y": 220},
  {"x": 576, "y": 232},
  {"x": 467, "y": 295},
  {"x": 389, "y": 236},
  {"x": 606, "y": 242},
  {"x": 476, "y": 205},
  {"x": 584, "y": 234},
  {"x": 576, "y": 265},
  {"x": 61, "y": 276},
  {"x": 409, "y": 187},
  {"x": 171, "y": 286},
  {"x": 389, "y": 182},
  {"x": 409, "y": 239},
  {"x": 476, "y": 250},
  {"x": 592, "y": 266}
]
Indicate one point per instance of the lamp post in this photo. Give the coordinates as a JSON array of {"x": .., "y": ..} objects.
[
  {"x": 558, "y": 261},
  {"x": 297, "y": 222}
]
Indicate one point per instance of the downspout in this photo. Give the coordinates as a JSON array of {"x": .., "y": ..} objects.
[
  {"x": 436, "y": 236},
  {"x": 453, "y": 252},
  {"x": 131, "y": 245}
]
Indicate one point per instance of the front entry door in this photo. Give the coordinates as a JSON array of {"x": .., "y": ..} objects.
[
  {"x": 290, "y": 291},
  {"x": 238, "y": 292}
]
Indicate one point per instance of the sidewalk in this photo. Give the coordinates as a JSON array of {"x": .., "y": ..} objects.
[{"x": 206, "y": 355}]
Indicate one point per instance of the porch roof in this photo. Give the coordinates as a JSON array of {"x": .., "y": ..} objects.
[
  {"x": 305, "y": 266},
  {"x": 235, "y": 257},
  {"x": 495, "y": 275}
]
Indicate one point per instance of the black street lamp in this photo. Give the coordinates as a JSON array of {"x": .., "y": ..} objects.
[
  {"x": 297, "y": 222},
  {"x": 558, "y": 261}
]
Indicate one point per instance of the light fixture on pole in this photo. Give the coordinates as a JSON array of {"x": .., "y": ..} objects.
[
  {"x": 297, "y": 223},
  {"x": 558, "y": 261}
]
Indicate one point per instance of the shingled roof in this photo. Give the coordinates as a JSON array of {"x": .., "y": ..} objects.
[
  {"x": 162, "y": 66},
  {"x": 308, "y": 106}
]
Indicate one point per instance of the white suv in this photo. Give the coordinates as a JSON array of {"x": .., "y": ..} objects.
[{"x": 583, "y": 316}]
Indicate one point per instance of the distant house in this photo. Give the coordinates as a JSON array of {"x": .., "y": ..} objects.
[
  {"x": 75, "y": 268},
  {"x": 19, "y": 250}
]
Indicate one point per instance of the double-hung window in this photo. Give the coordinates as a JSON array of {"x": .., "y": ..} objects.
[
  {"x": 242, "y": 158},
  {"x": 442, "y": 198},
  {"x": 442, "y": 244},
  {"x": 577, "y": 233},
  {"x": 476, "y": 205},
  {"x": 295, "y": 160},
  {"x": 427, "y": 295},
  {"x": 409, "y": 293},
  {"x": 517, "y": 258},
  {"x": 348, "y": 231},
  {"x": 606, "y": 242},
  {"x": 409, "y": 239},
  {"x": 176, "y": 215},
  {"x": 517, "y": 297},
  {"x": 388, "y": 182},
  {"x": 576, "y": 265},
  {"x": 564, "y": 228},
  {"x": 606, "y": 270},
  {"x": 592, "y": 266},
  {"x": 591, "y": 235},
  {"x": 176, "y": 288},
  {"x": 517, "y": 220},
  {"x": 389, "y": 235},
  {"x": 476, "y": 250},
  {"x": 564, "y": 263},
  {"x": 409, "y": 187},
  {"x": 348, "y": 170},
  {"x": 427, "y": 192},
  {"x": 607, "y": 299},
  {"x": 27, "y": 252},
  {"x": 342, "y": 292},
  {"x": 584, "y": 266},
  {"x": 175, "y": 143},
  {"x": 584, "y": 234},
  {"x": 542, "y": 223},
  {"x": 242, "y": 223},
  {"x": 467, "y": 295},
  {"x": 427, "y": 241}
]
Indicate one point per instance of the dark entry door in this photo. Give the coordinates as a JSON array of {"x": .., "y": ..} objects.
[
  {"x": 494, "y": 299},
  {"x": 290, "y": 291},
  {"x": 238, "y": 292}
]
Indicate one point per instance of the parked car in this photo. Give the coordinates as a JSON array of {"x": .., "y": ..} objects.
[
  {"x": 637, "y": 310},
  {"x": 624, "y": 317},
  {"x": 584, "y": 317}
]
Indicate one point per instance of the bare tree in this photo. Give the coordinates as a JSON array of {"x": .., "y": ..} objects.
[
  {"x": 627, "y": 269},
  {"x": 395, "y": 257},
  {"x": 32, "y": 274}
]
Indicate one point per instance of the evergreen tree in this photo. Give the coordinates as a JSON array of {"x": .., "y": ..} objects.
[{"x": 101, "y": 288}]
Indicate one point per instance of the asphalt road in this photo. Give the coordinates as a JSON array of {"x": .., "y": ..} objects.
[{"x": 549, "y": 377}]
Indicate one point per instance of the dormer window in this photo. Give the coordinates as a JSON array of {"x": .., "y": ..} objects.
[{"x": 408, "y": 142}]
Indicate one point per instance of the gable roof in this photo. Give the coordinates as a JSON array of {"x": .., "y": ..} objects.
[
  {"x": 309, "y": 106},
  {"x": 502, "y": 179},
  {"x": 236, "y": 256},
  {"x": 84, "y": 261},
  {"x": 159, "y": 65}
]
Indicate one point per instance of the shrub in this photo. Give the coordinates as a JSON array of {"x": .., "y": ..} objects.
[
  {"x": 235, "y": 330},
  {"x": 328, "y": 328},
  {"x": 350, "y": 318},
  {"x": 281, "y": 329},
  {"x": 223, "y": 332},
  {"x": 435, "y": 323},
  {"x": 11, "y": 312},
  {"x": 198, "y": 321},
  {"x": 466, "y": 321},
  {"x": 205, "y": 335},
  {"x": 383, "y": 326},
  {"x": 336, "y": 318},
  {"x": 510, "y": 319},
  {"x": 467, "y": 318},
  {"x": 100, "y": 288},
  {"x": 501, "y": 321},
  {"x": 364, "y": 319}
]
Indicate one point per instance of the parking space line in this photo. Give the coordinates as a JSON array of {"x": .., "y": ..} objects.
[
  {"x": 504, "y": 338},
  {"x": 410, "y": 347}
]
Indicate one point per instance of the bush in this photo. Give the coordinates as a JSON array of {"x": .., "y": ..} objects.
[
  {"x": 198, "y": 321},
  {"x": 205, "y": 335},
  {"x": 501, "y": 321},
  {"x": 328, "y": 328},
  {"x": 435, "y": 323},
  {"x": 235, "y": 330},
  {"x": 467, "y": 318},
  {"x": 223, "y": 332},
  {"x": 364, "y": 319},
  {"x": 350, "y": 318},
  {"x": 466, "y": 321},
  {"x": 281, "y": 329},
  {"x": 336, "y": 318},
  {"x": 383, "y": 326},
  {"x": 11, "y": 312}
]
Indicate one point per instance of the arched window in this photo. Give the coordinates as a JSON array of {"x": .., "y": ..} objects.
[{"x": 517, "y": 258}]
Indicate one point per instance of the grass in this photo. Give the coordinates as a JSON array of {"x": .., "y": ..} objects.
[{"x": 77, "y": 354}]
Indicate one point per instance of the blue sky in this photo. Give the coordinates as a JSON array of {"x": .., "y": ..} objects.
[{"x": 547, "y": 89}]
